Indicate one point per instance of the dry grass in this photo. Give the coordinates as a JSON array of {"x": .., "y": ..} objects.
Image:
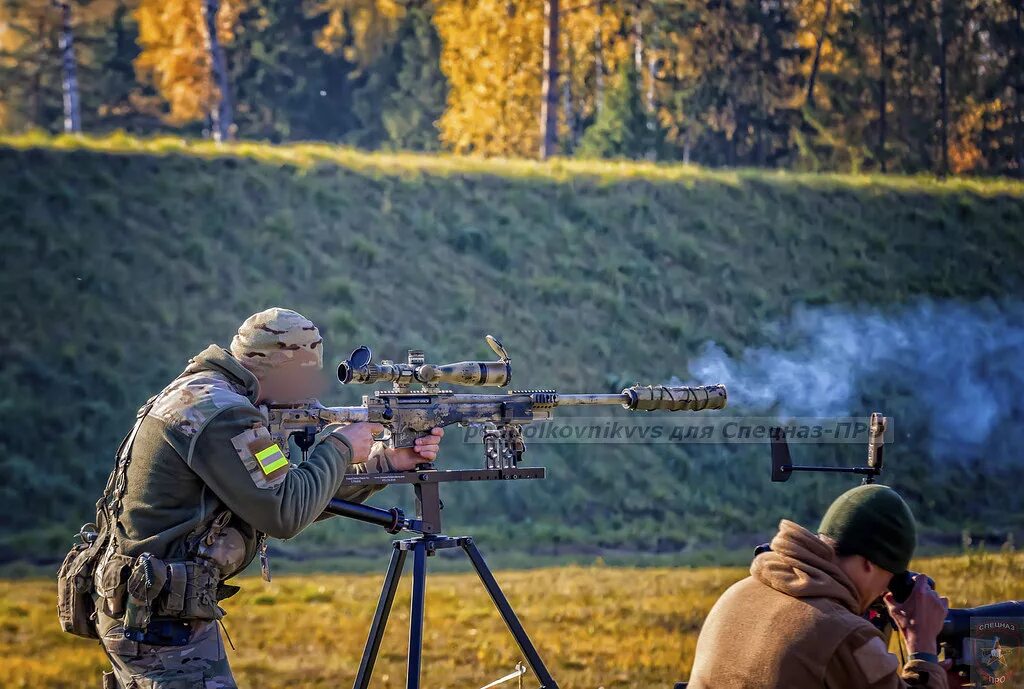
[
  {"x": 311, "y": 154},
  {"x": 595, "y": 626}
]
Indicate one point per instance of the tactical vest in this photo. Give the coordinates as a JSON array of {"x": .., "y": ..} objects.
[{"x": 187, "y": 585}]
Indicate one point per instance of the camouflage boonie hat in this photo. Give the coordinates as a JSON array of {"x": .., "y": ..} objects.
[{"x": 278, "y": 338}]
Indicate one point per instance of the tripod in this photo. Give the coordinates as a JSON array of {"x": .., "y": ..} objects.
[{"x": 429, "y": 540}]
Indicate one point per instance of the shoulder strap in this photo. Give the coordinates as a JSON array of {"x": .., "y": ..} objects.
[
  {"x": 117, "y": 483},
  {"x": 125, "y": 446}
]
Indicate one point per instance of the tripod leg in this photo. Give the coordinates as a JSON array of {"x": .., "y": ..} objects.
[
  {"x": 380, "y": 619},
  {"x": 419, "y": 589},
  {"x": 508, "y": 615}
]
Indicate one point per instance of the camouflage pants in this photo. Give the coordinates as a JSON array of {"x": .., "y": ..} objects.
[{"x": 200, "y": 664}]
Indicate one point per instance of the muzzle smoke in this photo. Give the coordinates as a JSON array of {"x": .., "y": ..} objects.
[{"x": 958, "y": 365}]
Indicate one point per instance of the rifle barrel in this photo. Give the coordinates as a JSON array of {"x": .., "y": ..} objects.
[{"x": 590, "y": 399}]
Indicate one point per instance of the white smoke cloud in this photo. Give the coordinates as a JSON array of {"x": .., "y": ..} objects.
[{"x": 961, "y": 363}]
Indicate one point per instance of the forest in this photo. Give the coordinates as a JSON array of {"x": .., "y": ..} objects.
[{"x": 910, "y": 86}]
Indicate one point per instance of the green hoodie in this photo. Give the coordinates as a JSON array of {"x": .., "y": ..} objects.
[{"x": 184, "y": 470}]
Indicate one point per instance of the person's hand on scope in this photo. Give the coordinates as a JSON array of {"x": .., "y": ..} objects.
[
  {"x": 920, "y": 617},
  {"x": 425, "y": 450}
]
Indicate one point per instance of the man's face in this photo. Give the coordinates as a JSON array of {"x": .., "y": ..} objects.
[
  {"x": 880, "y": 579},
  {"x": 289, "y": 384},
  {"x": 871, "y": 581}
]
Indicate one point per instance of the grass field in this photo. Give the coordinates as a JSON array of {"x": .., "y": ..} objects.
[{"x": 595, "y": 626}]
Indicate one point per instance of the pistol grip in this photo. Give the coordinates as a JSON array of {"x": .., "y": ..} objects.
[{"x": 406, "y": 437}]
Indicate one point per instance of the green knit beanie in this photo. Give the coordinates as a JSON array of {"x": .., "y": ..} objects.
[{"x": 875, "y": 522}]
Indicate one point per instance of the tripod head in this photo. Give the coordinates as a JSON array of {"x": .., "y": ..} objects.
[{"x": 426, "y": 484}]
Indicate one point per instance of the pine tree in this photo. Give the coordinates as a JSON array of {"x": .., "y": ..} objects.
[
  {"x": 623, "y": 129},
  {"x": 1001, "y": 134},
  {"x": 111, "y": 96},
  {"x": 286, "y": 86},
  {"x": 849, "y": 124},
  {"x": 30, "y": 88},
  {"x": 734, "y": 81},
  {"x": 417, "y": 101}
]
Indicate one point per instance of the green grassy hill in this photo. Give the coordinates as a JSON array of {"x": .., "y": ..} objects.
[{"x": 123, "y": 258}]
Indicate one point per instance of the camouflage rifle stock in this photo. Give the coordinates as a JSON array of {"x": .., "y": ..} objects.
[{"x": 408, "y": 414}]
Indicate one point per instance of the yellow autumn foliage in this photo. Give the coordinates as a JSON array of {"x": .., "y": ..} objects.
[
  {"x": 965, "y": 154},
  {"x": 359, "y": 28},
  {"x": 491, "y": 56},
  {"x": 173, "y": 54}
]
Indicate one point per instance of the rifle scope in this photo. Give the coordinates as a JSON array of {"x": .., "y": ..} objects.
[{"x": 359, "y": 368}]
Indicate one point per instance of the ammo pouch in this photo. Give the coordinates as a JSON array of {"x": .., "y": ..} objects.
[
  {"x": 145, "y": 583},
  {"x": 136, "y": 591},
  {"x": 111, "y": 582},
  {"x": 75, "y": 608},
  {"x": 190, "y": 592}
]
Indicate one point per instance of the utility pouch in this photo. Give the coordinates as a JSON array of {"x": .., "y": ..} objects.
[
  {"x": 111, "y": 583},
  {"x": 223, "y": 545},
  {"x": 149, "y": 574},
  {"x": 174, "y": 603},
  {"x": 201, "y": 591},
  {"x": 190, "y": 591},
  {"x": 75, "y": 608}
]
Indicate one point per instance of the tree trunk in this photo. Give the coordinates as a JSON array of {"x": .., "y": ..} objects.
[
  {"x": 568, "y": 109},
  {"x": 651, "y": 67},
  {"x": 817, "y": 53},
  {"x": 220, "y": 111},
  {"x": 908, "y": 108},
  {"x": 647, "y": 89},
  {"x": 549, "y": 85},
  {"x": 638, "y": 45},
  {"x": 761, "y": 117},
  {"x": 599, "y": 60},
  {"x": 36, "y": 88},
  {"x": 883, "y": 68},
  {"x": 69, "y": 75},
  {"x": 943, "y": 90},
  {"x": 1018, "y": 90}
]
